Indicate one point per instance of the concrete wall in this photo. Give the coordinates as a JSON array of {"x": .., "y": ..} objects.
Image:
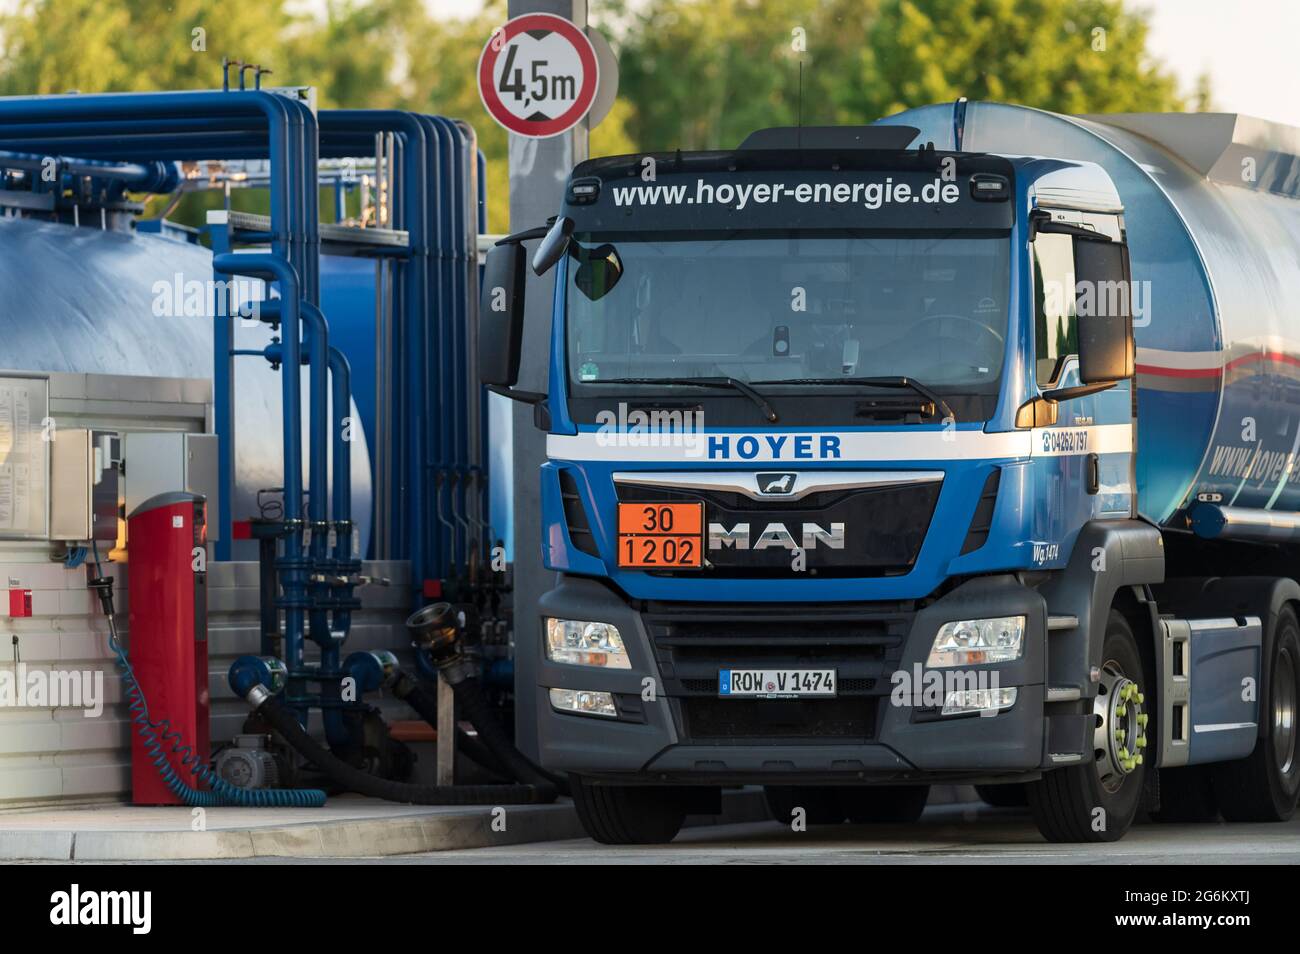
[{"x": 58, "y": 755}]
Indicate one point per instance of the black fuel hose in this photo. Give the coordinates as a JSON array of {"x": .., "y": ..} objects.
[
  {"x": 474, "y": 706},
  {"x": 472, "y": 747},
  {"x": 363, "y": 783}
]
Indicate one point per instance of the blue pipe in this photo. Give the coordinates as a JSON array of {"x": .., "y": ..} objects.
[
  {"x": 459, "y": 321},
  {"x": 415, "y": 301},
  {"x": 294, "y": 573},
  {"x": 323, "y": 364},
  {"x": 152, "y": 111},
  {"x": 316, "y": 339},
  {"x": 436, "y": 380},
  {"x": 341, "y": 396},
  {"x": 223, "y": 408},
  {"x": 308, "y": 197},
  {"x": 146, "y": 177},
  {"x": 315, "y": 350},
  {"x": 345, "y": 563}
]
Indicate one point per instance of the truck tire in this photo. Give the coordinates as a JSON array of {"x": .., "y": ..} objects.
[
  {"x": 884, "y": 804},
  {"x": 1097, "y": 800},
  {"x": 628, "y": 814},
  {"x": 1186, "y": 796},
  {"x": 1263, "y": 786},
  {"x": 1003, "y": 796},
  {"x": 820, "y": 803}
]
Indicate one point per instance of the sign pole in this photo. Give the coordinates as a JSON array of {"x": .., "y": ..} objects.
[{"x": 538, "y": 168}]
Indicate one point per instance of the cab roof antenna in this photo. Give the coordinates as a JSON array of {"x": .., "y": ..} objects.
[{"x": 958, "y": 123}]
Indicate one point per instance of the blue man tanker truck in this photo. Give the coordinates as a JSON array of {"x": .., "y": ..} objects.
[{"x": 959, "y": 448}]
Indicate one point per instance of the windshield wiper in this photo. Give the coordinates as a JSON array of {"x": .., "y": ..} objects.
[
  {"x": 733, "y": 383},
  {"x": 882, "y": 382}
]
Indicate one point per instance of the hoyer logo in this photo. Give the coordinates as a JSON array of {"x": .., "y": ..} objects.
[{"x": 774, "y": 447}]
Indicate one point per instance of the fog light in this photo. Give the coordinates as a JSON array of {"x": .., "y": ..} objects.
[
  {"x": 583, "y": 702},
  {"x": 961, "y": 701},
  {"x": 584, "y": 643},
  {"x": 969, "y": 642}
]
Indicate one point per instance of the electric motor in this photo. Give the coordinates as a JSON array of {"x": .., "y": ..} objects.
[{"x": 247, "y": 763}]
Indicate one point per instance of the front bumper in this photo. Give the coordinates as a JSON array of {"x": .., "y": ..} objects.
[{"x": 672, "y": 727}]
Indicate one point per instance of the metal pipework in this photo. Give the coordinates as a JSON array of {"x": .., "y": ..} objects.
[
  {"x": 316, "y": 353},
  {"x": 271, "y": 267},
  {"x": 107, "y": 126},
  {"x": 316, "y": 340},
  {"x": 1215, "y": 522},
  {"x": 341, "y": 128},
  {"x": 145, "y": 177},
  {"x": 172, "y": 125}
]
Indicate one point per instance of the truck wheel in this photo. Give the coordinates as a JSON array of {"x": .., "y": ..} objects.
[
  {"x": 628, "y": 814},
  {"x": 1097, "y": 800},
  {"x": 1186, "y": 795},
  {"x": 821, "y": 803},
  {"x": 1003, "y": 796},
  {"x": 885, "y": 804},
  {"x": 1263, "y": 787}
]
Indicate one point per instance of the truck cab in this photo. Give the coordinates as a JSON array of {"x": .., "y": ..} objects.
[{"x": 840, "y": 486}]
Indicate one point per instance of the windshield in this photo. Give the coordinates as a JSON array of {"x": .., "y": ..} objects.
[{"x": 768, "y": 307}]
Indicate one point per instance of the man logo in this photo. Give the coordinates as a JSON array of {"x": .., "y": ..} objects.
[{"x": 776, "y": 485}]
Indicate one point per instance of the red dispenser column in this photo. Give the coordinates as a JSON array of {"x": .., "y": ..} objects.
[{"x": 168, "y": 635}]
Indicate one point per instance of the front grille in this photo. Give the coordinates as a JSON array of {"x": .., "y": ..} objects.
[
  {"x": 723, "y": 720},
  {"x": 862, "y": 642},
  {"x": 884, "y": 528}
]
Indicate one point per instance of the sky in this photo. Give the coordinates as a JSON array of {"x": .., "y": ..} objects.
[{"x": 1249, "y": 48}]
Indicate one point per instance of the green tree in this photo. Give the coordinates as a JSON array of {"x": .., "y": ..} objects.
[
  {"x": 704, "y": 74},
  {"x": 694, "y": 74},
  {"x": 54, "y": 46}
]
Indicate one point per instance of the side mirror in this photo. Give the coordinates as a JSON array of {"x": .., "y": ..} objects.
[
  {"x": 553, "y": 246},
  {"x": 1103, "y": 307},
  {"x": 501, "y": 315}
]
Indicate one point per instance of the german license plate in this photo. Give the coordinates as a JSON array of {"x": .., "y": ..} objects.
[
  {"x": 776, "y": 683},
  {"x": 661, "y": 535}
]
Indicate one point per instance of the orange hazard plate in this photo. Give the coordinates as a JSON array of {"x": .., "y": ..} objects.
[{"x": 654, "y": 535}]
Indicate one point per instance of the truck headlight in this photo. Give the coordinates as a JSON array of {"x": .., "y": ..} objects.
[
  {"x": 969, "y": 642},
  {"x": 583, "y": 643},
  {"x": 964, "y": 701},
  {"x": 583, "y": 702}
]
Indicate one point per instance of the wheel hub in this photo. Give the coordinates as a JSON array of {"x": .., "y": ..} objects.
[{"x": 1121, "y": 733}]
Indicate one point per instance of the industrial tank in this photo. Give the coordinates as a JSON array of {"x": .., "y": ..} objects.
[
  {"x": 81, "y": 299},
  {"x": 1212, "y": 211}
]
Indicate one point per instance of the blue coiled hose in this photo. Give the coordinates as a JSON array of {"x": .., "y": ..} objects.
[{"x": 158, "y": 736}]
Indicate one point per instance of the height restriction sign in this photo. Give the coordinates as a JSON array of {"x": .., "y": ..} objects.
[{"x": 538, "y": 75}]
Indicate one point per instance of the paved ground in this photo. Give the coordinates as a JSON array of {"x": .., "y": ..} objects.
[
  {"x": 945, "y": 834},
  {"x": 348, "y": 826},
  {"x": 361, "y": 831}
]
